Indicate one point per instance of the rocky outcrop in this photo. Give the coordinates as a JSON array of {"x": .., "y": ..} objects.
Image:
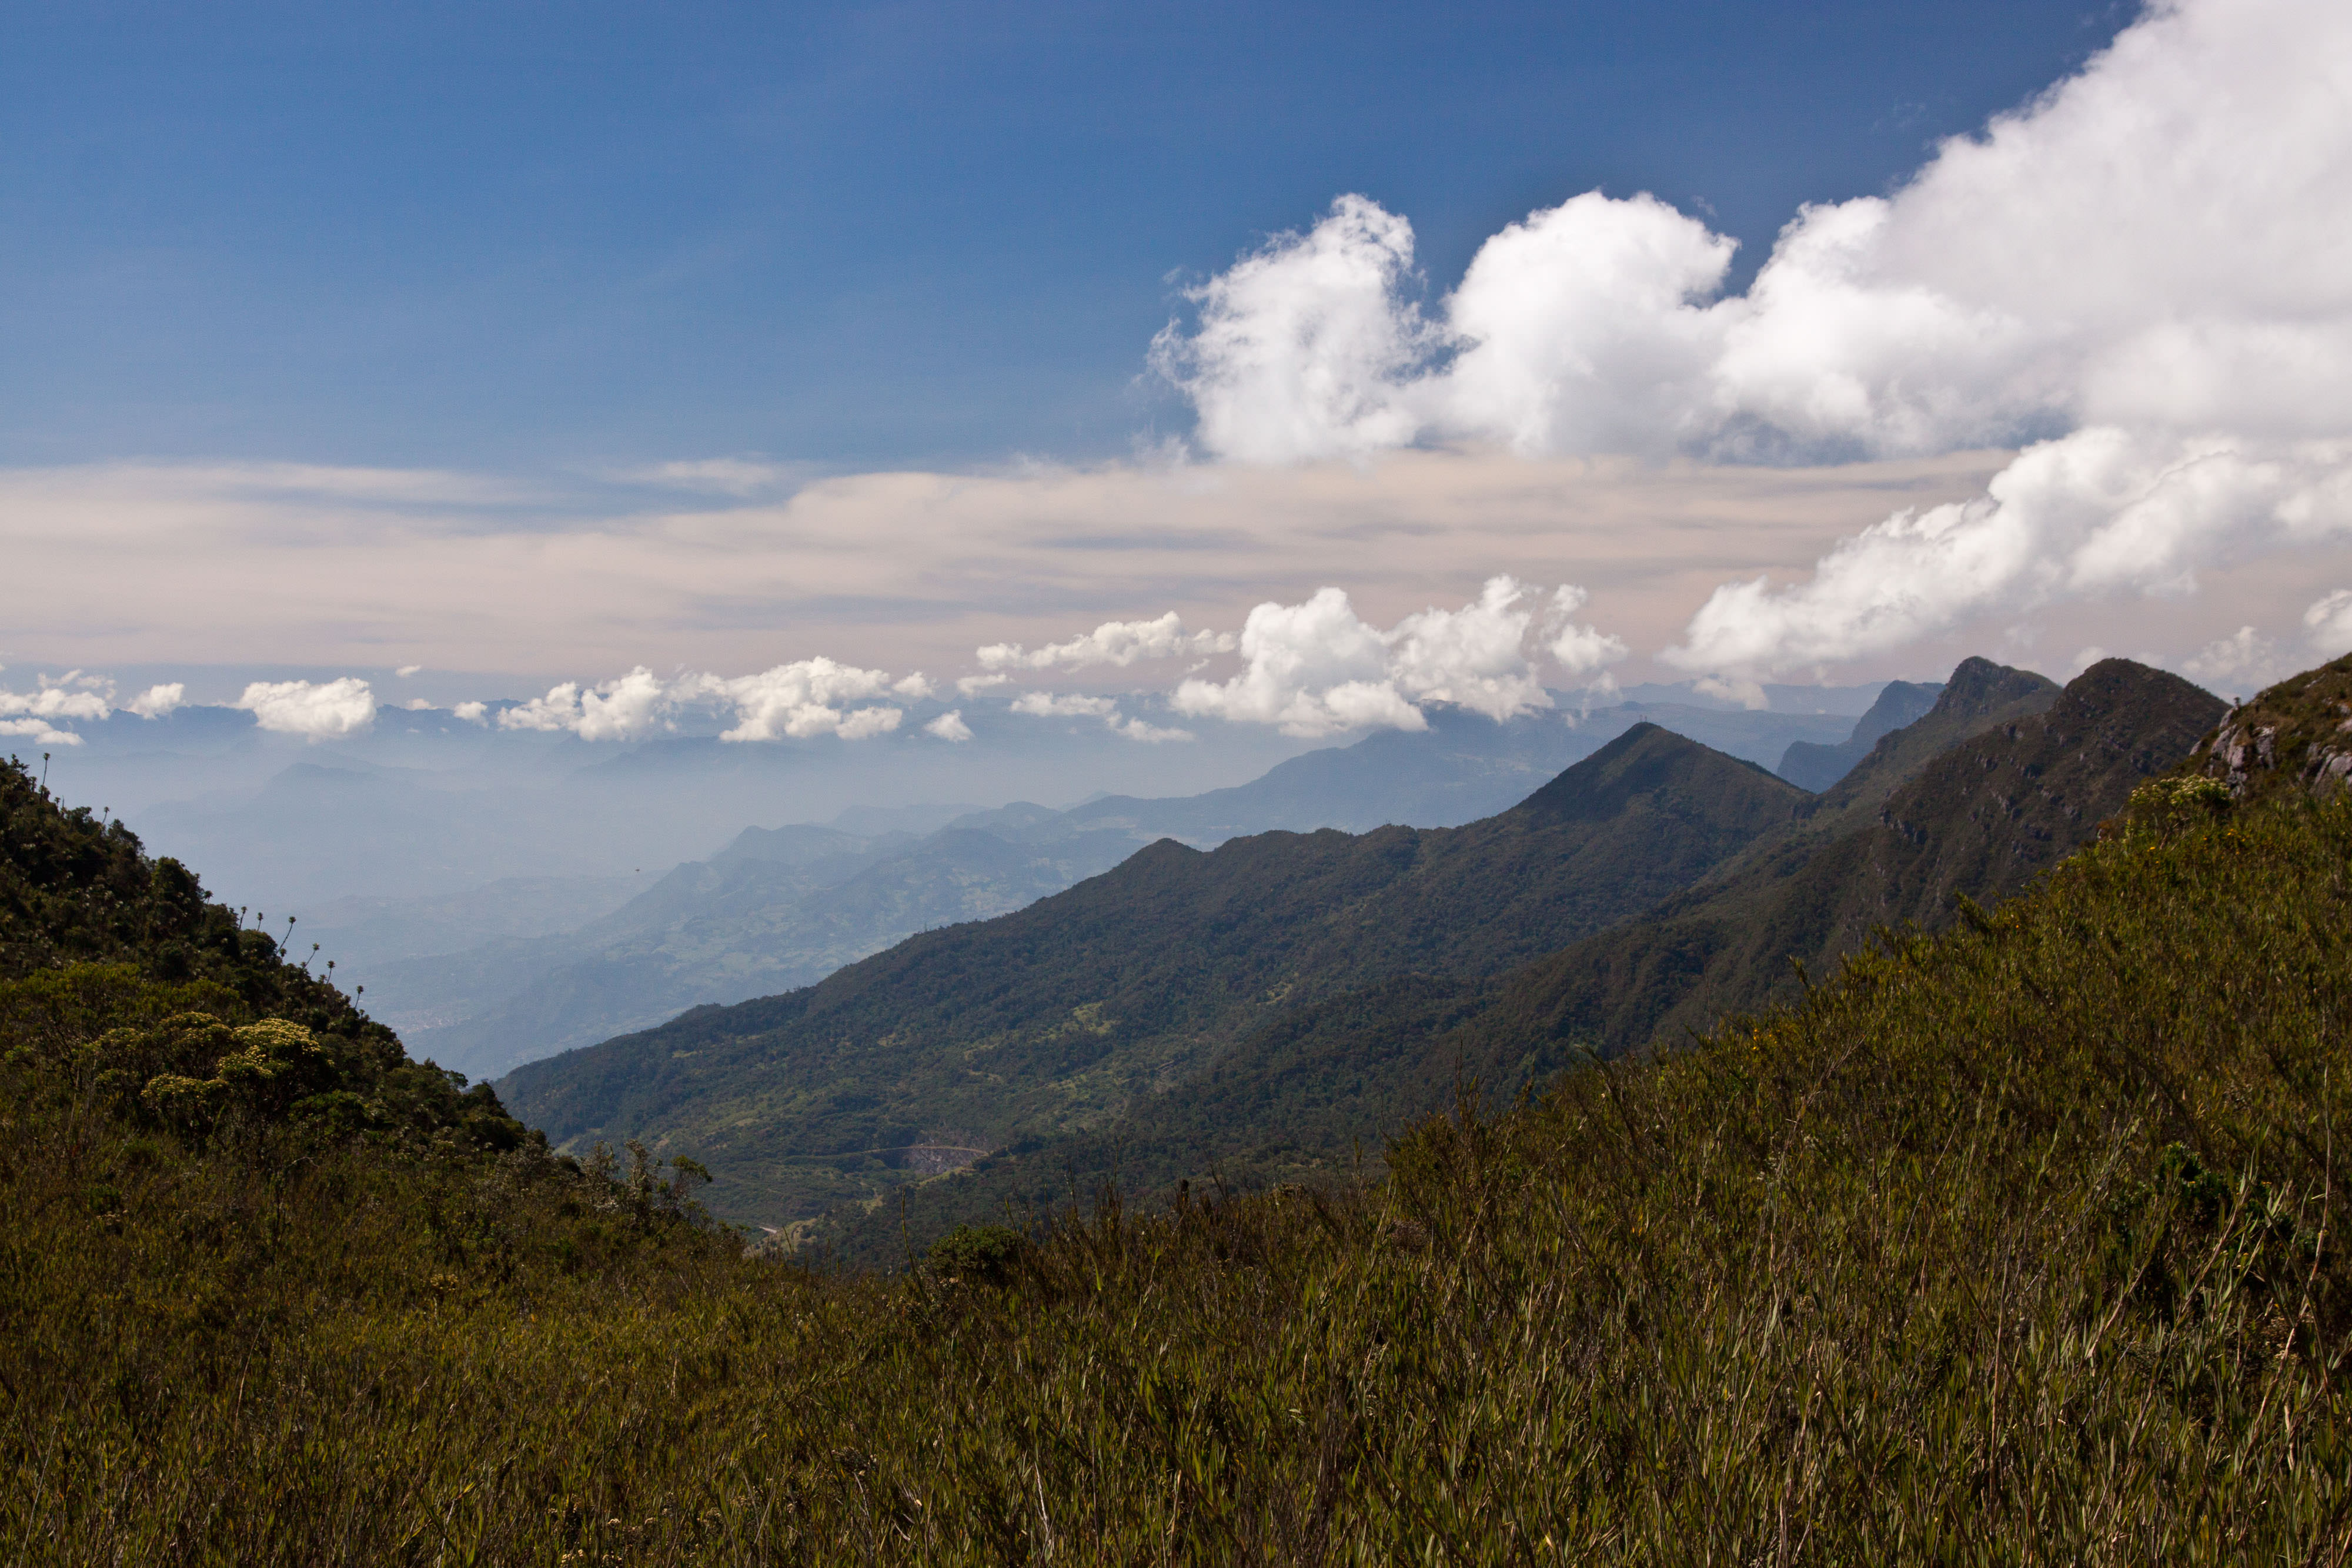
[{"x": 2297, "y": 734}]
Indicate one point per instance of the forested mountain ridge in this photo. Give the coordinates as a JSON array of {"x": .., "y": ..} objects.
[
  {"x": 782, "y": 908},
  {"x": 1897, "y": 841},
  {"x": 1056, "y": 1016},
  {"x": 487, "y": 983},
  {"x": 1982, "y": 820}
]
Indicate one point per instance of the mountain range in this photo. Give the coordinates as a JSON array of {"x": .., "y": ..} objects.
[
  {"x": 779, "y": 908},
  {"x": 1057, "y": 1017},
  {"x": 1261, "y": 1008}
]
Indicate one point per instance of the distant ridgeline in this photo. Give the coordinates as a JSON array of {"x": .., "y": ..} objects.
[
  {"x": 1261, "y": 1013},
  {"x": 780, "y": 908},
  {"x": 1812, "y": 764},
  {"x": 1059, "y": 1015}
]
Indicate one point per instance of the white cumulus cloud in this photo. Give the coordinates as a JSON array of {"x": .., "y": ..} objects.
[
  {"x": 327, "y": 710},
  {"x": 1149, "y": 734},
  {"x": 1470, "y": 656},
  {"x": 949, "y": 725},
  {"x": 626, "y": 708},
  {"x": 2328, "y": 623},
  {"x": 2101, "y": 511},
  {"x": 158, "y": 700},
  {"x": 1317, "y": 667},
  {"x": 1301, "y": 348},
  {"x": 41, "y": 731},
  {"x": 61, "y": 699},
  {"x": 2236, "y": 666},
  {"x": 1118, "y": 643},
  {"x": 1070, "y": 704},
  {"x": 1577, "y": 647},
  {"x": 1052, "y": 705},
  {"x": 2143, "y": 277},
  {"x": 1311, "y": 668},
  {"x": 805, "y": 698},
  {"x": 797, "y": 701},
  {"x": 68, "y": 696}
]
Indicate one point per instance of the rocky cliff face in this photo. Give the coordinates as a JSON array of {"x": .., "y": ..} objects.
[{"x": 2297, "y": 734}]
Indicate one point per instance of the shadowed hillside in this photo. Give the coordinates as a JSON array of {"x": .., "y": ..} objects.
[
  {"x": 1899, "y": 841},
  {"x": 979, "y": 1036}
]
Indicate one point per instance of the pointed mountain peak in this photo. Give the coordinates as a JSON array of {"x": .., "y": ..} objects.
[
  {"x": 1980, "y": 686},
  {"x": 1647, "y": 759},
  {"x": 1980, "y": 695}
]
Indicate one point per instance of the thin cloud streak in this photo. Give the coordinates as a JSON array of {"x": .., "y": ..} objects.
[{"x": 154, "y": 564}]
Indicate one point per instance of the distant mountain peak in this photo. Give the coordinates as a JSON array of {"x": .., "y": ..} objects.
[
  {"x": 1810, "y": 765},
  {"x": 1639, "y": 763},
  {"x": 1978, "y": 686}
]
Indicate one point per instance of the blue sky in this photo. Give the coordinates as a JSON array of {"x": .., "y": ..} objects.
[
  {"x": 1160, "y": 368},
  {"x": 507, "y": 238}
]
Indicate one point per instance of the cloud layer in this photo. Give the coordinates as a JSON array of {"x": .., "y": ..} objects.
[
  {"x": 327, "y": 710},
  {"x": 2101, "y": 352},
  {"x": 39, "y": 714},
  {"x": 1116, "y": 642},
  {"x": 1317, "y": 667},
  {"x": 2144, "y": 276},
  {"x": 796, "y": 701}
]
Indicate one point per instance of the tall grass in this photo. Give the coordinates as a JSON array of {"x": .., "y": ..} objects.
[{"x": 2017, "y": 1245}]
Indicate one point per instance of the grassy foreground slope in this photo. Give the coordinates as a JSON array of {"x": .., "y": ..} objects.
[{"x": 2020, "y": 1242}]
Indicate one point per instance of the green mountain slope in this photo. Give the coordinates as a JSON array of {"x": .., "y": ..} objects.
[
  {"x": 1982, "y": 820},
  {"x": 1054, "y": 1017},
  {"x": 95, "y": 936},
  {"x": 1897, "y": 841},
  {"x": 783, "y": 907},
  {"x": 2290, "y": 739}
]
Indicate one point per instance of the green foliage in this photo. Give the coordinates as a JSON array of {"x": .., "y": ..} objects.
[
  {"x": 2015, "y": 1243},
  {"x": 2176, "y": 804},
  {"x": 982, "y": 1254}
]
